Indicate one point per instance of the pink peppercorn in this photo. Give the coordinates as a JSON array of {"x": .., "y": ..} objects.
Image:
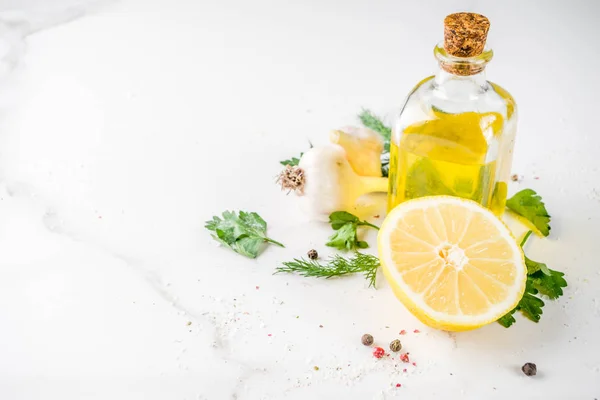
[
  {"x": 417, "y": 331},
  {"x": 403, "y": 332},
  {"x": 378, "y": 352},
  {"x": 398, "y": 385},
  {"x": 404, "y": 357}
]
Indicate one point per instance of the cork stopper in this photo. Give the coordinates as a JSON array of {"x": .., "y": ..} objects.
[{"x": 465, "y": 34}]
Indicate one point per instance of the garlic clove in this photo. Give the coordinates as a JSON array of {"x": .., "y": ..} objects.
[{"x": 363, "y": 148}]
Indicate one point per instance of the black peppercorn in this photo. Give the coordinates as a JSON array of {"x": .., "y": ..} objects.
[
  {"x": 367, "y": 339},
  {"x": 529, "y": 369},
  {"x": 312, "y": 254},
  {"x": 395, "y": 346}
]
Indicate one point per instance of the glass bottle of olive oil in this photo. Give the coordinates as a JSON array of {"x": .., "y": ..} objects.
[{"x": 456, "y": 131}]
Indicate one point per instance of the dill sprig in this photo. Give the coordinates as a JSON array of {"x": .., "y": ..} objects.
[
  {"x": 335, "y": 266},
  {"x": 375, "y": 123}
]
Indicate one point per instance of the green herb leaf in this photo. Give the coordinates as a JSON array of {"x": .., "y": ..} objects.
[
  {"x": 294, "y": 161},
  {"x": 334, "y": 267},
  {"x": 507, "y": 320},
  {"x": 541, "y": 280},
  {"x": 534, "y": 266},
  {"x": 528, "y": 204},
  {"x": 375, "y": 123},
  {"x": 531, "y": 306},
  {"x": 247, "y": 246},
  {"x": 546, "y": 281},
  {"x": 424, "y": 179},
  {"x": 338, "y": 219},
  {"x": 243, "y": 233},
  {"x": 344, "y": 238},
  {"x": 549, "y": 284},
  {"x": 346, "y": 224}
]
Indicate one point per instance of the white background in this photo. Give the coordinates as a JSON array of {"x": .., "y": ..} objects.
[{"x": 125, "y": 125}]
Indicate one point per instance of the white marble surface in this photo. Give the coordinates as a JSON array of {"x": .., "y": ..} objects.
[{"x": 125, "y": 125}]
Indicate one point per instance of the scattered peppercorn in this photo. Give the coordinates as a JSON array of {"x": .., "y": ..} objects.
[
  {"x": 378, "y": 352},
  {"x": 398, "y": 385},
  {"x": 312, "y": 254},
  {"x": 404, "y": 357},
  {"x": 514, "y": 178},
  {"x": 417, "y": 331},
  {"x": 367, "y": 339},
  {"x": 529, "y": 369},
  {"x": 403, "y": 332},
  {"x": 316, "y": 368},
  {"x": 395, "y": 346}
]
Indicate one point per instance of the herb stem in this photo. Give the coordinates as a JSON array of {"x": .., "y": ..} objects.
[
  {"x": 365, "y": 223},
  {"x": 525, "y": 238},
  {"x": 269, "y": 240}
]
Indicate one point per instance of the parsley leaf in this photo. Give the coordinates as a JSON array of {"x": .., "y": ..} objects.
[
  {"x": 549, "y": 284},
  {"x": 508, "y": 319},
  {"x": 243, "y": 233},
  {"x": 528, "y": 204},
  {"x": 294, "y": 161},
  {"x": 541, "y": 280},
  {"x": 345, "y": 237},
  {"x": 335, "y": 266},
  {"x": 341, "y": 218},
  {"x": 375, "y": 123},
  {"x": 424, "y": 179},
  {"x": 546, "y": 281},
  {"x": 531, "y": 306},
  {"x": 534, "y": 266}
]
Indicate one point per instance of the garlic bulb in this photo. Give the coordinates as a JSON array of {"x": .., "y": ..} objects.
[{"x": 326, "y": 182}]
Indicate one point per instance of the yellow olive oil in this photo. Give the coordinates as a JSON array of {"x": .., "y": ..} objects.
[{"x": 449, "y": 154}]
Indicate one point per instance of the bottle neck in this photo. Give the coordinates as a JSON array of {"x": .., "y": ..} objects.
[
  {"x": 460, "y": 78},
  {"x": 444, "y": 77},
  {"x": 472, "y": 67}
]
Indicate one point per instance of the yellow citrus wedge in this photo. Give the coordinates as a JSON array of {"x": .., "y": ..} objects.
[{"x": 451, "y": 262}]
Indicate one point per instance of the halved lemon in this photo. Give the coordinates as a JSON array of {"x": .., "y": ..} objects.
[{"x": 452, "y": 262}]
